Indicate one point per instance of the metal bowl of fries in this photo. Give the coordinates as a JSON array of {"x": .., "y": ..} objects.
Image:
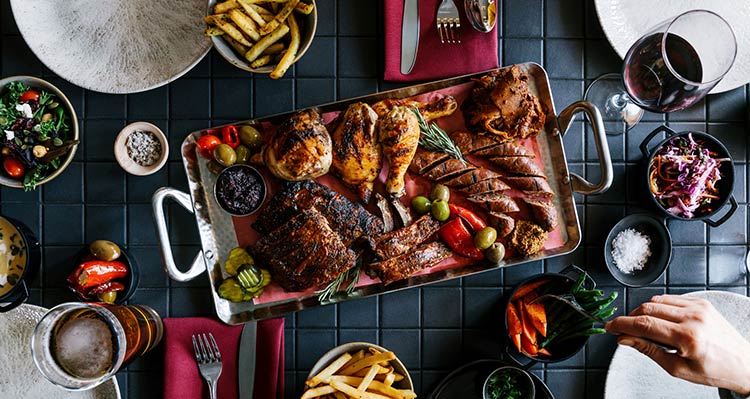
[
  {"x": 357, "y": 369},
  {"x": 262, "y": 36}
]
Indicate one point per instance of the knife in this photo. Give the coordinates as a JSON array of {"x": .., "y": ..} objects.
[
  {"x": 409, "y": 35},
  {"x": 246, "y": 362}
]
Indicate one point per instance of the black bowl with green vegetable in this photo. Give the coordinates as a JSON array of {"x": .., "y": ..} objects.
[
  {"x": 509, "y": 382},
  {"x": 39, "y": 132},
  {"x": 547, "y": 330}
]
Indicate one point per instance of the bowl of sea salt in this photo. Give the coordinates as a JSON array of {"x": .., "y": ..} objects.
[
  {"x": 638, "y": 250},
  {"x": 141, "y": 148}
]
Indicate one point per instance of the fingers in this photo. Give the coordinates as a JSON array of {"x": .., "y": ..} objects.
[
  {"x": 675, "y": 300},
  {"x": 663, "y": 311},
  {"x": 669, "y": 362},
  {"x": 649, "y": 327}
]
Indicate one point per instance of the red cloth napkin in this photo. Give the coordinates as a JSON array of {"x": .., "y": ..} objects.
[
  {"x": 477, "y": 51},
  {"x": 182, "y": 380}
]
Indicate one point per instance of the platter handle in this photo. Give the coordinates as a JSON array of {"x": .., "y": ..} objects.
[
  {"x": 157, "y": 202},
  {"x": 581, "y": 185}
]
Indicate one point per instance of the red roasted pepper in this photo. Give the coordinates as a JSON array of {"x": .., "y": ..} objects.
[
  {"x": 470, "y": 217},
  {"x": 109, "y": 286},
  {"x": 96, "y": 272},
  {"x": 229, "y": 135},
  {"x": 457, "y": 236},
  {"x": 206, "y": 145}
]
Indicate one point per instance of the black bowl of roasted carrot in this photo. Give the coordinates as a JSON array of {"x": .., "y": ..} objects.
[
  {"x": 690, "y": 176},
  {"x": 545, "y": 330}
]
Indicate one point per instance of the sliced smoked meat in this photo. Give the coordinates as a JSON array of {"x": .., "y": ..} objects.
[
  {"x": 471, "y": 142},
  {"x": 470, "y": 177},
  {"x": 405, "y": 265},
  {"x": 544, "y": 213},
  {"x": 508, "y": 149},
  {"x": 530, "y": 185},
  {"x": 399, "y": 241},
  {"x": 503, "y": 223},
  {"x": 495, "y": 202},
  {"x": 523, "y": 166},
  {"x": 448, "y": 169},
  {"x": 485, "y": 186},
  {"x": 424, "y": 161}
]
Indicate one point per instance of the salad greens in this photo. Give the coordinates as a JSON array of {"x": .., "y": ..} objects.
[
  {"x": 35, "y": 133},
  {"x": 505, "y": 385}
]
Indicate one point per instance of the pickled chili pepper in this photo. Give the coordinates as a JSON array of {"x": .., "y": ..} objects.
[
  {"x": 95, "y": 272},
  {"x": 230, "y": 136},
  {"x": 470, "y": 217},
  {"x": 457, "y": 236},
  {"x": 109, "y": 286}
]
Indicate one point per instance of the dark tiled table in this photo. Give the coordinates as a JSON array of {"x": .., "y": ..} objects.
[{"x": 433, "y": 329}]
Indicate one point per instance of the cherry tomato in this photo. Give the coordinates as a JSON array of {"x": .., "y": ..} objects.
[
  {"x": 29, "y": 95},
  {"x": 14, "y": 168},
  {"x": 206, "y": 145},
  {"x": 230, "y": 136}
]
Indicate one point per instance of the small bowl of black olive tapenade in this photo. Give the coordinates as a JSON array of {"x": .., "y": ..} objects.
[{"x": 240, "y": 190}]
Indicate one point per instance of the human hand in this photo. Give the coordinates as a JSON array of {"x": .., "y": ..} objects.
[{"x": 709, "y": 350}]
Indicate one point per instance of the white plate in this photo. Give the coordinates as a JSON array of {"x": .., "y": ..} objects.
[
  {"x": 625, "y": 21},
  {"x": 19, "y": 377},
  {"x": 633, "y": 375},
  {"x": 115, "y": 46}
]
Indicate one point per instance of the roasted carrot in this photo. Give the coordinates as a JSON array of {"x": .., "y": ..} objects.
[
  {"x": 527, "y": 328},
  {"x": 525, "y": 289},
  {"x": 514, "y": 325},
  {"x": 537, "y": 316},
  {"x": 544, "y": 352},
  {"x": 528, "y": 347}
]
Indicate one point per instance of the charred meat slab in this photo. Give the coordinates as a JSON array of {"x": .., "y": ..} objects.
[
  {"x": 405, "y": 265},
  {"x": 400, "y": 241},
  {"x": 349, "y": 220},
  {"x": 304, "y": 252}
]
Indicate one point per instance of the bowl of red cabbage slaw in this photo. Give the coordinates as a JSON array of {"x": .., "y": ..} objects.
[{"x": 690, "y": 175}]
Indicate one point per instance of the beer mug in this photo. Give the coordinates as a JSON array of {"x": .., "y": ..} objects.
[{"x": 78, "y": 346}]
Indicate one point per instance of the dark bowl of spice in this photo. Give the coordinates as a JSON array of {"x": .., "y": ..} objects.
[
  {"x": 141, "y": 148},
  {"x": 240, "y": 190}
]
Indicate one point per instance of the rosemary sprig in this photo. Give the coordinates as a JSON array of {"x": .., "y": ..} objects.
[
  {"x": 433, "y": 138},
  {"x": 335, "y": 286}
]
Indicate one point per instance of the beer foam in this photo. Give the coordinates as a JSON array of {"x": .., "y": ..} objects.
[
  {"x": 84, "y": 347},
  {"x": 19, "y": 377}
]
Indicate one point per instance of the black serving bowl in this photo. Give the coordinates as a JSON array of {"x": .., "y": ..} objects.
[
  {"x": 724, "y": 186},
  {"x": 220, "y": 196},
  {"x": 564, "y": 349},
  {"x": 130, "y": 281},
  {"x": 661, "y": 249},
  {"x": 19, "y": 293},
  {"x": 522, "y": 376}
]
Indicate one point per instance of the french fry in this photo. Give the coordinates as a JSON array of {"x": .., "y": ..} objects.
[
  {"x": 368, "y": 361},
  {"x": 355, "y": 393},
  {"x": 280, "y": 17},
  {"x": 381, "y": 370},
  {"x": 229, "y": 29},
  {"x": 291, "y": 52},
  {"x": 245, "y": 23},
  {"x": 225, "y": 6},
  {"x": 213, "y": 32},
  {"x": 369, "y": 376},
  {"x": 250, "y": 9},
  {"x": 304, "y": 8},
  {"x": 327, "y": 372},
  {"x": 339, "y": 395},
  {"x": 265, "y": 42},
  {"x": 390, "y": 378},
  {"x": 273, "y": 49},
  {"x": 319, "y": 391},
  {"x": 236, "y": 46},
  {"x": 262, "y": 61},
  {"x": 264, "y": 13},
  {"x": 376, "y": 386},
  {"x": 355, "y": 357}
]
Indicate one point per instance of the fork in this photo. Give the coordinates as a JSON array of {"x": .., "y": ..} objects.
[
  {"x": 448, "y": 22},
  {"x": 209, "y": 360}
]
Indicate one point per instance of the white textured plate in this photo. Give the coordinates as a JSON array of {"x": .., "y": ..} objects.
[
  {"x": 115, "y": 46},
  {"x": 633, "y": 375},
  {"x": 19, "y": 377},
  {"x": 625, "y": 21}
]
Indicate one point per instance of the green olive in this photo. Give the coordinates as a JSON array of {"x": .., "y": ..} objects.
[
  {"x": 440, "y": 191},
  {"x": 440, "y": 210},
  {"x": 243, "y": 153},
  {"x": 105, "y": 250},
  {"x": 108, "y": 297},
  {"x": 214, "y": 167},
  {"x": 421, "y": 204},
  {"x": 495, "y": 253},
  {"x": 251, "y": 137},
  {"x": 485, "y": 238},
  {"x": 225, "y": 155}
]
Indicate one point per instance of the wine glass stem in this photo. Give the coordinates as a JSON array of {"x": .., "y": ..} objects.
[{"x": 618, "y": 101}]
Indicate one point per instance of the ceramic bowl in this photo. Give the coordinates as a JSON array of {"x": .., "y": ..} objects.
[
  {"x": 352, "y": 347},
  {"x": 121, "y": 152},
  {"x": 36, "y": 83},
  {"x": 130, "y": 281},
  {"x": 308, "y": 25},
  {"x": 522, "y": 377},
  {"x": 661, "y": 249}
]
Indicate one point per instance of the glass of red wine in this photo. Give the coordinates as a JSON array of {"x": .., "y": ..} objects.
[{"x": 670, "y": 68}]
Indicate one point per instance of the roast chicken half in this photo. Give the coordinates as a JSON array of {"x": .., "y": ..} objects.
[{"x": 300, "y": 149}]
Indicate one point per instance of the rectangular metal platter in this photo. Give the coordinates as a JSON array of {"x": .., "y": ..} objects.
[{"x": 218, "y": 235}]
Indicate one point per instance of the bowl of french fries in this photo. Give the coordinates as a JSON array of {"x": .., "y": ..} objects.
[
  {"x": 359, "y": 370},
  {"x": 262, "y": 36}
]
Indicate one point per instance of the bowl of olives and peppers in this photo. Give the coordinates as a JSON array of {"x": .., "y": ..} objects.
[
  {"x": 228, "y": 145},
  {"x": 464, "y": 231},
  {"x": 104, "y": 273}
]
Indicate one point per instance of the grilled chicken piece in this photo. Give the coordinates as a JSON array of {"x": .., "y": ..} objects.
[
  {"x": 399, "y": 135},
  {"x": 357, "y": 157},
  {"x": 534, "y": 186},
  {"x": 523, "y": 166},
  {"x": 449, "y": 169},
  {"x": 405, "y": 265},
  {"x": 501, "y": 104},
  {"x": 475, "y": 176},
  {"x": 503, "y": 223},
  {"x": 304, "y": 252},
  {"x": 300, "y": 149},
  {"x": 400, "y": 241},
  {"x": 425, "y": 160},
  {"x": 544, "y": 213},
  {"x": 495, "y": 202},
  {"x": 485, "y": 186},
  {"x": 430, "y": 111}
]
